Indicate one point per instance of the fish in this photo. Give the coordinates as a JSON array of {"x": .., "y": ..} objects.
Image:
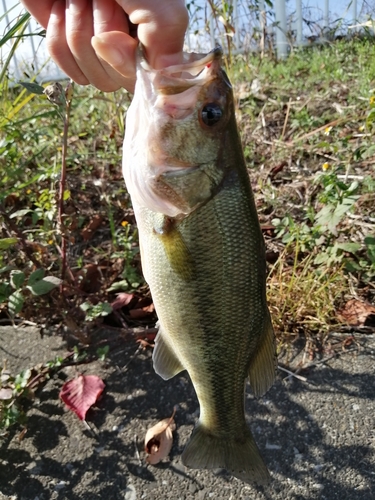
[{"x": 202, "y": 252}]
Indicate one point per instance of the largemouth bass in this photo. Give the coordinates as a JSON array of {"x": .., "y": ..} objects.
[{"x": 202, "y": 252}]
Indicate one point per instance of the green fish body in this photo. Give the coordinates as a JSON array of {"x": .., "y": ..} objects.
[{"x": 202, "y": 253}]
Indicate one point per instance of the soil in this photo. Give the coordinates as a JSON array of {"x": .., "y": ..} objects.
[{"x": 316, "y": 433}]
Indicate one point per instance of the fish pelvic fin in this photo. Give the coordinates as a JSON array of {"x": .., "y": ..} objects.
[
  {"x": 262, "y": 371},
  {"x": 166, "y": 363},
  {"x": 240, "y": 455}
]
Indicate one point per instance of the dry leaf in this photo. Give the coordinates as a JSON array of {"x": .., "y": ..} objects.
[
  {"x": 159, "y": 439},
  {"x": 357, "y": 313},
  {"x": 89, "y": 278},
  {"x": 94, "y": 224},
  {"x": 143, "y": 312},
  {"x": 81, "y": 393}
]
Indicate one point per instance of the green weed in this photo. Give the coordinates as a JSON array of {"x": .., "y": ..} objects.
[{"x": 307, "y": 128}]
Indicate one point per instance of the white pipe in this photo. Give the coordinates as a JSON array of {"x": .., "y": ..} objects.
[
  {"x": 261, "y": 8},
  {"x": 355, "y": 11},
  {"x": 236, "y": 22},
  {"x": 212, "y": 31},
  {"x": 326, "y": 14},
  {"x": 299, "y": 21},
  {"x": 35, "y": 58},
  {"x": 281, "y": 40}
]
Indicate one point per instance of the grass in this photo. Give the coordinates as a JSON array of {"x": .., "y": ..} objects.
[
  {"x": 307, "y": 126},
  {"x": 310, "y": 112}
]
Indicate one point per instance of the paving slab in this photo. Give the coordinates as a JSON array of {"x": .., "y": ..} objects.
[{"x": 317, "y": 435}]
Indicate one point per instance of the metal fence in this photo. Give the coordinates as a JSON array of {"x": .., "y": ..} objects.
[{"x": 247, "y": 25}]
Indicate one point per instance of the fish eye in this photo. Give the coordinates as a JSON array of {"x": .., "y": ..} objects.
[{"x": 211, "y": 113}]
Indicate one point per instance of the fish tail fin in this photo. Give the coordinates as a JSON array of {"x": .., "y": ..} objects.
[{"x": 239, "y": 455}]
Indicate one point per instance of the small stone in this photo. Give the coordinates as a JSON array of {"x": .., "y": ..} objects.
[
  {"x": 193, "y": 488},
  {"x": 318, "y": 467},
  {"x": 60, "y": 485},
  {"x": 35, "y": 468},
  {"x": 130, "y": 493},
  {"x": 270, "y": 446},
  {"x": 318, "y": 486}
]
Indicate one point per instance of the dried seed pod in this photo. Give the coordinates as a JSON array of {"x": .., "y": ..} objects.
[{"x": 55, "y": 93}]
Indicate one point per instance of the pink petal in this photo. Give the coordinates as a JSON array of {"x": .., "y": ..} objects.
[{"x": 123, "y": 299}]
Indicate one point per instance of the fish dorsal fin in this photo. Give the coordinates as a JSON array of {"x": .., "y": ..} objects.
[
  {"x": 166, "y": 363},
  {"x": 263, "y": 365}
]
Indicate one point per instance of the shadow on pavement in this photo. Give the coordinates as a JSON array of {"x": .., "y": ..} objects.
[{"x": 317, "y": 437}]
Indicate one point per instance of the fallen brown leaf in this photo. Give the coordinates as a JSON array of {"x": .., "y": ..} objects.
[
  {"x": 139, "y": 313},
  {"x": 277, "y": 168},
  {"x": 89, "y": 278},
  {"x": 357, "y": 313},
  {"x": 88, "y": 231},
  {"x": 159, "y": 439}
]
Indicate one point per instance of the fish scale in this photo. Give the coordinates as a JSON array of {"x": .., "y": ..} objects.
[{"x": 205, "y": 267}]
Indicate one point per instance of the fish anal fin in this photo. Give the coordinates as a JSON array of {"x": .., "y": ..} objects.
[
  {"x": 262, "y": 370},
  {"x": 238, "y": 455},
  {"x": 166, "y": 363}
]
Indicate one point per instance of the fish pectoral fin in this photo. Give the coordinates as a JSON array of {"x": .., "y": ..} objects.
[
  {"x": 175, "y": 248},
  {"x": 262, "y": 371},
  {"x": 239, "y": 455},
  {"x": 166, "y": 363}
]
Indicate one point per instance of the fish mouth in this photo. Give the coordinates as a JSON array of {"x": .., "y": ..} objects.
[
  {"x": 179, "y": 170},
  {"x": 196, "y": 70},
  {"x": 172, "y": 167}
]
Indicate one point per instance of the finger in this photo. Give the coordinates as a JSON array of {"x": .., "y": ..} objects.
[
  {"x": 110, "y": 17},
  {"x": 39, "y": 10},
  {"x": 118, "y": 50},
  {"x": 58, "y": 46},
  {"x": 79, "y": 31},
  {"x": 161, "y": 28}
]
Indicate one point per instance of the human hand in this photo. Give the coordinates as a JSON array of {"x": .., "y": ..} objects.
[{"x": 95, "y": 41}]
